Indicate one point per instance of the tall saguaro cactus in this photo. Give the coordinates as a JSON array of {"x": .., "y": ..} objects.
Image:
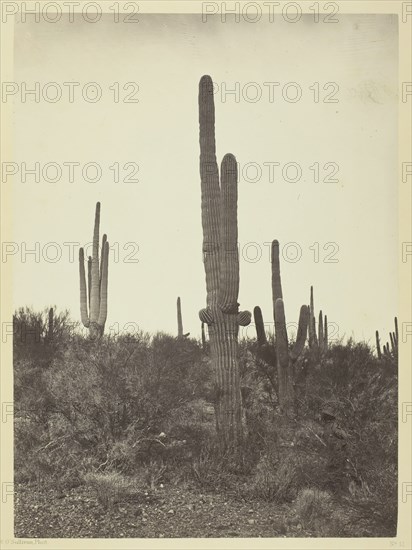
[
  {"x": 281, "y": 356},
  {"x": 221, "y": 261},
  {"x": 93, "y": 301}
]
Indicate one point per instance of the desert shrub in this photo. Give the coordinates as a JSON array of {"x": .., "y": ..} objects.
[{"x": 101, "y": 404}]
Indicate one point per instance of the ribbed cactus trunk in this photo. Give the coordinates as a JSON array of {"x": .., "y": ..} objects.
[
  {"x": 221, "y": 261},
  {"x": 93, "y": 300}
]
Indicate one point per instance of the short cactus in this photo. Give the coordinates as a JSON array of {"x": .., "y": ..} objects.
[{"x": 93, "y": 301}]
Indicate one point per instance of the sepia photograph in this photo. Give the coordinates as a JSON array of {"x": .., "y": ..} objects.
[{"x": 204, "y": 331}]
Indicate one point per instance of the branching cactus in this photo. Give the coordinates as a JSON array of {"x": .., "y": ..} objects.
[
  {"x": 93, "y": 300},
  {"x": 281, "y": 356},
  {"x": 221, "y": 261}
]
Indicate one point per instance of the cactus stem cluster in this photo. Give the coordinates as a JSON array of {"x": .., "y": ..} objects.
[
  {"x": 389, "y": 350},
  {"x": 280, "y": 354}
]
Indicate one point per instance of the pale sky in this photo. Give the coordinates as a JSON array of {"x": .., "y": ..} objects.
[{"x": 165, "y": 55}]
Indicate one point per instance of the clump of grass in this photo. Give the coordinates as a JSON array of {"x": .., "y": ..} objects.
[
  {"x": 112, "y": 488},
  {"x": 274, "y": 480}
]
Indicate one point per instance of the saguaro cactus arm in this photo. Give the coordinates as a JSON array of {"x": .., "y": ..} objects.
[
  {"x": 265, "y": 351},
  {"x": 89, "y": 279},
  {"x": 83, "y": 291},
  {"x": 282, "y": 344},
  {"x": 301, "y": 333},
  {"x": 104, "y": 239},
  {"x": 276, "y": 280},
  {"x": 229, "y": 255},
  {"x": 103, "y": 288},
  {"x": 209, "y": 175},
  {"x": 260, "y": 327},
  {"x": 95, "y": 289}
]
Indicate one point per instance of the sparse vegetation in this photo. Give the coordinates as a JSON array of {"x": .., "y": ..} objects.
[{"x": 129, "y": 422}]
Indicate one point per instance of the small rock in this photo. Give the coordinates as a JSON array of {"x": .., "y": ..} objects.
[
  {"x": 161, "y": 536},
  {"x": 251, "y": 521},
  {"x": 171, "y": 512}
]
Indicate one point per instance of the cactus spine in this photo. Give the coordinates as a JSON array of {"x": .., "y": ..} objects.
[
  {"x": 93, "y": 300},
  {"x": 221, "y": 262},
  {"x": 281, "y": 356}
]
